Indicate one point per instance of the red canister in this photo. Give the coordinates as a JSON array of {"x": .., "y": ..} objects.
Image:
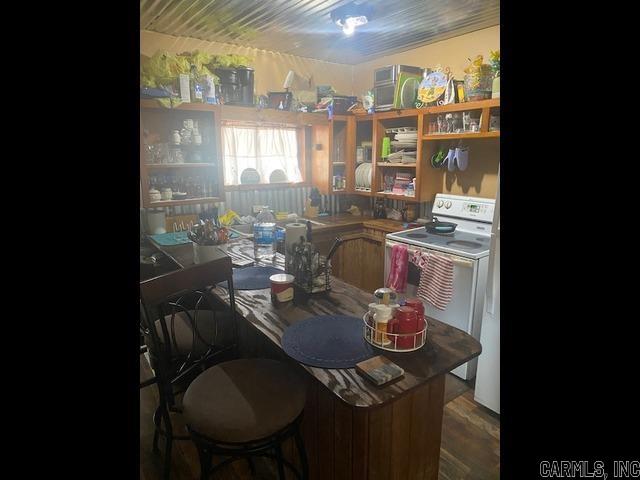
[
  {"x": 406, "y": 322},
  {"x": 281, "y": 289},
  {"x": 416, "y": 304}
]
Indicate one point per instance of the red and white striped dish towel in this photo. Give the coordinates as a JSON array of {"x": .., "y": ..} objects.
[{"x": 436, "y": 278}]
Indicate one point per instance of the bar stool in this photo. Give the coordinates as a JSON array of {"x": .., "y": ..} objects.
[
  {"x": 245, "y": 408},
  {"x": 184, "y": 336}
]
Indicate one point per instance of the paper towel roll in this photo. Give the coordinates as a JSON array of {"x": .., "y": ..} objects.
[{"x": 293, "y": 232}]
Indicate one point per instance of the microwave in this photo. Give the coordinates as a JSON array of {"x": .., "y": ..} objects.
[
  {"x": 391, "y": 73},
  {"x": 399, "y": 94}
]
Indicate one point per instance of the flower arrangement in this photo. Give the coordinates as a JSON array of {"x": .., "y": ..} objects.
[
  {"x": 478, "y": 78},
  {"x": 494, "y": 61}
]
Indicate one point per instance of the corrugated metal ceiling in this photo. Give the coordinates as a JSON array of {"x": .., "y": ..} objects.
[{"x": 304, "y": 27}]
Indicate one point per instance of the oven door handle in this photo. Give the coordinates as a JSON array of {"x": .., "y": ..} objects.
[{"x": 459, "y": 261}]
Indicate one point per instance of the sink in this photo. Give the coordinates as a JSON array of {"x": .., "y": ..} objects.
[
  {"x": 313, "y": 222},
  {"x": 243, "y": 229},
  {"x": 246, "y": 229}
]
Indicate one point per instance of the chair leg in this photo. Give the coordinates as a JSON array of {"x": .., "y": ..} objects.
[
  {"x": 205, "y": 461},
  {"x": 302, "y": 452},
  {"x": 168, "y": 443},
  {"x": 156, "y": 434},
  {"x": 278, "y": 450},
  {"x": 252, "y": 467}
]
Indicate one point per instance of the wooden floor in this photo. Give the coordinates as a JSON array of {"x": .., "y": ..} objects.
[{"x": 470, "y": 441}]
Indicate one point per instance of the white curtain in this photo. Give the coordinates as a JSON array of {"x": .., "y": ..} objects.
[{"x": 264, "y": 148}]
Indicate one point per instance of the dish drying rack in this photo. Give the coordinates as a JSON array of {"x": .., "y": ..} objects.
[{"x": 311, "y": 270}]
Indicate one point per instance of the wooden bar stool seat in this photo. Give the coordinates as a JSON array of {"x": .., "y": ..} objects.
[{"x": 244, "y": 408}]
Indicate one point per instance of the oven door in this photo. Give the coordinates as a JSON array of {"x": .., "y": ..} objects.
[
  {"x": 383, "y": 96},
  {"x": 464, "y": 311}
]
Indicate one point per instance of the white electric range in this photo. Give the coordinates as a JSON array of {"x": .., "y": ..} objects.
[{"x": 468, "y": 248}]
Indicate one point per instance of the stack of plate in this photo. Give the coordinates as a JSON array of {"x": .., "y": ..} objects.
[
  {"x": 405, "y": 137},
  {"x": 363, "y": 176}
]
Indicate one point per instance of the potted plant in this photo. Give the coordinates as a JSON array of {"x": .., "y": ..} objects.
[
  {"x": 477, "y": 80},
  {"x": 495, "y": 66}
]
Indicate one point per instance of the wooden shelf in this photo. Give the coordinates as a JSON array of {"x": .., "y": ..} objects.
[
  {"x": 393, "y": 196},
  {"x": 397, "y": 165},
  {"x": 459, "y": 107},
  {"x": 160, "y": 166},
  {"x": 189, "y": 107},
  {"x": 188, "y": 201},
  {"x": 407, "y": 112},
  {"x": 455, "y": 136},
  {"x": 338, "y": 164}
]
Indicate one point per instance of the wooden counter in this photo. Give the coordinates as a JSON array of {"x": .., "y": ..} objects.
[{"x": 351, "y": 428}]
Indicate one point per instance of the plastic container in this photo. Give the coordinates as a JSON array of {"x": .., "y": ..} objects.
[{"x": 281, "y": 289}]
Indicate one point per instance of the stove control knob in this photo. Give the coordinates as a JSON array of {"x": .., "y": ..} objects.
[
  {"x": 447, "y": 205},
  {"x": 439, "y": 204}
]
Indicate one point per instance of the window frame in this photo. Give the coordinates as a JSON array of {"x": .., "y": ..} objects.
[{"x": 302, "y": 157}]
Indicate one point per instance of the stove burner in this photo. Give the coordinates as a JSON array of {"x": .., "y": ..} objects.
[
  {"x": 463, "y": 243},
  {"x": 417, "y": 235}
]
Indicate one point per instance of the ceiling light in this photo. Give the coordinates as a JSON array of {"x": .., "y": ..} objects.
[{"x": 351, "y": 16}]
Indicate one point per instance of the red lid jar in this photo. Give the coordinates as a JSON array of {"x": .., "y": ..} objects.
[
  {"x": 416, "y": 304},
  {"x": 406, "y": 322}
]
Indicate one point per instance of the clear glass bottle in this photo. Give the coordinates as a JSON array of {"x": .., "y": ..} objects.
[{"x": 264, "y": 237}]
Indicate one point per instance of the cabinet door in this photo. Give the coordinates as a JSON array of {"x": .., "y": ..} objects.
[
  {"x": 350, "y": 260},
  {"x": 372, "y": 253},
  {"x": 320, "y": 158}
]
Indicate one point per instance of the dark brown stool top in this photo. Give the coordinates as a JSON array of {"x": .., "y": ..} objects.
[{"x": 244, "y": 400}]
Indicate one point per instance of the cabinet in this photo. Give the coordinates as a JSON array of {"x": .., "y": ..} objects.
[
  {"x": 193, "y": 169},
  {"x": 333, "y": 155},
  {"x": 360, "y": 259}
]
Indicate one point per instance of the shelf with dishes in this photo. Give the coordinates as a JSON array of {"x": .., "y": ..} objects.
[
  {"x": 188, "y": 201},
  {"x": 363, "y": 177},
  {"x": 179, "y": 156},
  {"x": 466, "y": 135},
  {"x": 393, "y": 196},
  {"x": 179, "y": 165},
  {"x": 468, "y": 120}
]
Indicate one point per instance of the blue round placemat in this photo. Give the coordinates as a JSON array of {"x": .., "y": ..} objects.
[
  {"x": 327, "y": 341},
  {"x": 253, "y": 278}
]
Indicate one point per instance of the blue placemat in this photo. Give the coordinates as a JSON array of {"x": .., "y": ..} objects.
[
  {"x": 171, "y": 238},
  {"x": 253, "y": 278},
  {"x": 327, "y": 341}
]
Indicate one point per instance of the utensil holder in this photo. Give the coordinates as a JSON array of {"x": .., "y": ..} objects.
[
  {"x": 392, "y": 342},
  {"x": 206, "y": 253},
  {"x": 310, "y": 276}
]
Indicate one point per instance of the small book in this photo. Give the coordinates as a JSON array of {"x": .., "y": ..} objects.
[{"x": 379, "y": 370}]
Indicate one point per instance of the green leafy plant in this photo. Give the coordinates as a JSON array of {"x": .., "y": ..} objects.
[
  {"x": 229, "y": 61},
  {"x": 163, "y": 68},
  {"x": 494, "y": 61}
]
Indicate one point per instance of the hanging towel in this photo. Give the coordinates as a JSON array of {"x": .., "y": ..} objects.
[
  {"x": 399, "y": 268},
  {"x": 436, "y": 278}
]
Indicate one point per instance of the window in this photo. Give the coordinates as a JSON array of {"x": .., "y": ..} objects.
[{"x": 260, "y": 154}]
